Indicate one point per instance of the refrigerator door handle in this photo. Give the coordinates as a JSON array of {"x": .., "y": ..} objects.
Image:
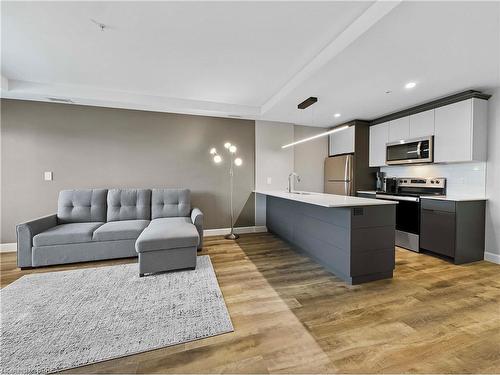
[
  {"x": 346, "y": 168},
  {"x": 348, "y": 174}
]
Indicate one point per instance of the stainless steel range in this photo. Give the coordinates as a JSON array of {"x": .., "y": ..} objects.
[{"x": 408, "y": 192}]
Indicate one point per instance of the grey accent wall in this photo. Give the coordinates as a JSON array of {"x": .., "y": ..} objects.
[
  {"x": 309, "y": 158},
  {"x": 105, "y": 148}
]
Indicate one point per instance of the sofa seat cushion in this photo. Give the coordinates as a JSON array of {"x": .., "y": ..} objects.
[
  {"x": 120, "y": 230},
  {"x": 66, "y": 234},
  {"x": 167, "y": 233}
]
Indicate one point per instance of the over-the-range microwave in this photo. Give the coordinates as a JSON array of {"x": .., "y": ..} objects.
[{"x": 410, "y": 151}]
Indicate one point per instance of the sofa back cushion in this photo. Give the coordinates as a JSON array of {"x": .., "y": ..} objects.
[
  {"x": 81, "y": 206},
  {"x": 129, "y": 204},
  {"x": 170, "y": 203}
]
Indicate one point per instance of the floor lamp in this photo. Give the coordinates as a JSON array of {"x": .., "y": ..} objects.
[{"x": 234, "y": 162}]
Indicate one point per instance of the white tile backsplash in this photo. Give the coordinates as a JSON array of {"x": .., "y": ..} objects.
[{"x": 463, "y": 179}]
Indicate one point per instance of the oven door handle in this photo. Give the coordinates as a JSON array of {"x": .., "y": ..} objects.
[{"x": 397, "y": 198}]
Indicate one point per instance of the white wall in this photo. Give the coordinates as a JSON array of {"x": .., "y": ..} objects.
[
  {"x": 309, "y": 158},
  {"x": 272, "y": 163},
  {"x": 464, "y": 179},
  {"x": 493, "y": 179}
]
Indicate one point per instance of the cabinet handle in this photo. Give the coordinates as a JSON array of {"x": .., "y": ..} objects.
[{"x": 437, "y": 212}]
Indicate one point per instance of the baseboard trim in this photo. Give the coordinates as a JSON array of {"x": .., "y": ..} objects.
[
  {"x": 239, "y": 230},
  {"x": 492, "y": 257},
  {"x": 8, "y": 247}
]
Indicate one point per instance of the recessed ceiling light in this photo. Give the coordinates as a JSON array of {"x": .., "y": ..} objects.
[
  {"x": 336, "y": 115},
  {"x": 388, "y": 91},
  {"x": 410, "y": 85}
]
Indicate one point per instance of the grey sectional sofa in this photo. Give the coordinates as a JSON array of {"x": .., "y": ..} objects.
[{"x": 97, "y": 224}]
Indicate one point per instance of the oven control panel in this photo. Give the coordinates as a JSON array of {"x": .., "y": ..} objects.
[{"x": 431, "y": 182}]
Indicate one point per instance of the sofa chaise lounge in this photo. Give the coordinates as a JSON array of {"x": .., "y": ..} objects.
[{"x": 96, "y": 224}]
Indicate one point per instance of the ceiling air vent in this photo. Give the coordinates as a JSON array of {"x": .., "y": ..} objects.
[{"x": 60, "y": 100}]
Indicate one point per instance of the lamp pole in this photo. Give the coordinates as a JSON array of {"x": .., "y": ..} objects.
[
  {"x": 231, "y": 235},
  {"x": 234, "y": 161}
]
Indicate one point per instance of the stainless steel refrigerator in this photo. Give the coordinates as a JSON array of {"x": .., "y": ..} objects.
[{"x": 339, "y": 175}]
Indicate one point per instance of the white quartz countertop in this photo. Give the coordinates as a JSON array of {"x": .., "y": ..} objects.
[
  {"x": 455, "y": 198},
  {"x": 325, "y": 200}
]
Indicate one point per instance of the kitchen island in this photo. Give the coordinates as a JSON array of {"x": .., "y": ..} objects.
[{"x": 351, "y": 237}]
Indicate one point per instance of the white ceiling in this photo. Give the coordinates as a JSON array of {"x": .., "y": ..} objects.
[
  {"x": 445, "y": 47},
  {"x": 251, "y": 59}
]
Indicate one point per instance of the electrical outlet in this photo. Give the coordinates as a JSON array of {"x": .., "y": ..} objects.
[
  {"x": 269, "y": 180},
  {"x": 48, "y": 176}
]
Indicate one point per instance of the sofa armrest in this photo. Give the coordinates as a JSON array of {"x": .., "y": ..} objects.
[
  {"x": 26, "y": 232},
  {"x": 197, "y": 219}
]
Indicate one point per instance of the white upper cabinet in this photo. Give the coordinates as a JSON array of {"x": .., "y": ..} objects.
[
  {"x": 460, "y": 131},
  {"x": 422, "y": 124},
  {"x": 342, "y": 142},
  {"x": 379, "y": 136},
  {"x": 399, "y": 129}
]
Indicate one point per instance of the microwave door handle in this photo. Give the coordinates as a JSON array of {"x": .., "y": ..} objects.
[{"x": 419, "y": 150}]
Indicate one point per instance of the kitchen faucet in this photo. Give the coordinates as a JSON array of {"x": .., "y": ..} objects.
[{"x": 291, "y": 181}]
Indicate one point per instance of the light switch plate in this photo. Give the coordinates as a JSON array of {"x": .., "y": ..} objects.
[
  {"x": 269, "y": 180},
  {"x": 48, "y": 176}
]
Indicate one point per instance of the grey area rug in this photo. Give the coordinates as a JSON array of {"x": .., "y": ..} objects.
[{"x": 60, "y": 320}]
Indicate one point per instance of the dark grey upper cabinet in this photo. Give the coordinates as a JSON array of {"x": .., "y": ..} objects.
[{"x": 355, "y": 139}]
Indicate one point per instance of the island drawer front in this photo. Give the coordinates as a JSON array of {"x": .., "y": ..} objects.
[
  {"x": 372, "y": 239},
  {"x": 369, "y": 216},
  {"x": 371, "y": 262},
  {"x": 438, "y": 205}
]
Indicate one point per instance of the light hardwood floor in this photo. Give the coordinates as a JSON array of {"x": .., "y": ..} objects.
[{"x": 291, "y": 316}]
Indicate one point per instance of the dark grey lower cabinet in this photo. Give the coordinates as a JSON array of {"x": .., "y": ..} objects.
[{"x": 453, "y": 229}]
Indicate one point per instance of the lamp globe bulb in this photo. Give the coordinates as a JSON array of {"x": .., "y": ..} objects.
[
  {"x": 238, "y": 161},
  {"x": 232, "y": 149},
  {"x": 227, "y": 145},
  {"x": 217, "y": 159},
  {"x": 213, "y": 151}
]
